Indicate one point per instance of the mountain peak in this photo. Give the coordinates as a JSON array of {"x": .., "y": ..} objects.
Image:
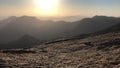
[
  {"x": 27, "y": 18},
  {"x": 99, "y": 16}
]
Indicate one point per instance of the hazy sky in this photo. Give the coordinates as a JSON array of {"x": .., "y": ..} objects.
[{"x": 66, "y": 8}]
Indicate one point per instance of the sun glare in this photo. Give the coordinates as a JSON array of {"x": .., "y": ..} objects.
[{"x": 46, "y": 7}]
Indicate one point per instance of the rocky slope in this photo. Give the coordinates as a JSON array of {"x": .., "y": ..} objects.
[{"x": 101, "y": 51}]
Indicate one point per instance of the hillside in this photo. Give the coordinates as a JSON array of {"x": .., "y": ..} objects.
[
  {"x": 102, "y": 51},
  {"x": 114, "y": 28},
  {"x": 25, "y": 41}
]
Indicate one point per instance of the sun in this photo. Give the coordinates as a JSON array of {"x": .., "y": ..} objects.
[{"x": 47, "y": 7}]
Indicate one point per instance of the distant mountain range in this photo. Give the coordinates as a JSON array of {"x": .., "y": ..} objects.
[
  {"x": 66, "y": 18},
  {"x": 97, "y": 23},
  {"x": 13, "y": 28}
]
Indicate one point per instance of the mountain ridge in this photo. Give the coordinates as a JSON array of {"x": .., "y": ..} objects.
[{"x": 50, "y": 30}]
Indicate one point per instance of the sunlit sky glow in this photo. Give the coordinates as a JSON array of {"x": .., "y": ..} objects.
[
  {"x": 59, "y": 7},
  {"x": 47, "y": 7}
]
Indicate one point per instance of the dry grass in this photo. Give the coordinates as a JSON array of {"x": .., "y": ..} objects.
[{"x": 93, "y": 52}]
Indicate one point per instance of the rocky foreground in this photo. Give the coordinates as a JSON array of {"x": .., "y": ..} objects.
[{"x": 101, "y": 51}]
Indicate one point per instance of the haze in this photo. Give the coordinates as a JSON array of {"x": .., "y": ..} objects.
[{"x": 59, "y": 8}]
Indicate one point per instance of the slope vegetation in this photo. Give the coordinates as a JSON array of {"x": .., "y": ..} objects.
[{"x": 102, "y": 51}]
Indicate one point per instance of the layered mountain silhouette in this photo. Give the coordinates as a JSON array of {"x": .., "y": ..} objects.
[
  {"x": 14, "y": 28},
  {"x": 30, "y": 25},
  {"x": 97, "y": 23}
]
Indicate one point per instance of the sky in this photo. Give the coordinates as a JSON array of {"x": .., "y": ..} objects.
[{"x": 63, "y": 8}]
